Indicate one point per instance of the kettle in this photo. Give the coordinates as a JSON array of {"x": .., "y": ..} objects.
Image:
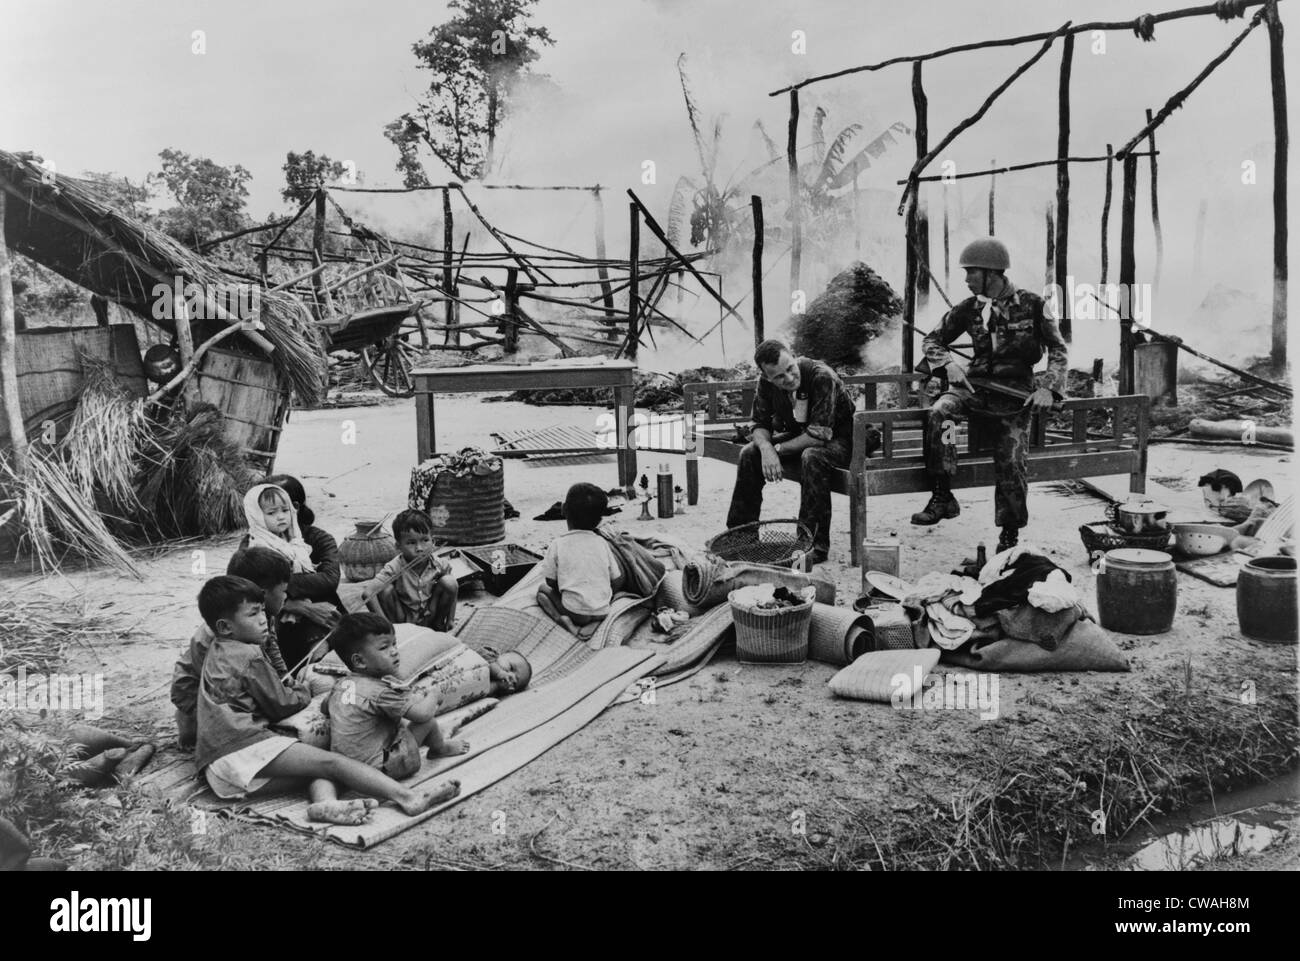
[{"x": 1141, "y": 516}]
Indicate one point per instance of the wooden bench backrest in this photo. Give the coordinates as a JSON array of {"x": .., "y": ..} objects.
[{"x": 710, "y": 411}]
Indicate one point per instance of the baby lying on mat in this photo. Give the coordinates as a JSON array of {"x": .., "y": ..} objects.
[{"x": 367, "y": 708}]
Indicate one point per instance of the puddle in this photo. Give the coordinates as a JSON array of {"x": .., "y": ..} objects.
[
  {"x": 1202, "y": 843},
  {"x": 1242, "y": 823}
]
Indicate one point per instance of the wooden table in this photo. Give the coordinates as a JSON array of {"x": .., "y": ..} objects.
[{"x": 491, "y": 378}]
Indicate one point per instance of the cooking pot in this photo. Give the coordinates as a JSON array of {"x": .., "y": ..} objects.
[{"x": 1136, "y": 517}]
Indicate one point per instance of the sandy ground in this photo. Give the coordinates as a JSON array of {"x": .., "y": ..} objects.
[{"x": 719, "y": 771}]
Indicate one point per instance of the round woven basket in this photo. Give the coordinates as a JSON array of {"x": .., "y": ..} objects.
[
  {"x": 771, "y": 636},
  {"x": 762, "y": 542}
]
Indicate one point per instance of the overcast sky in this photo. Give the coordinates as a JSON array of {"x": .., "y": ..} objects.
[{"x": 106, "y": 84}]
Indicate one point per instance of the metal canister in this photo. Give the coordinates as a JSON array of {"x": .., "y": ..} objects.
[
  {"x": 665, "y": 492},
  {"x": 879, "y": 555}
]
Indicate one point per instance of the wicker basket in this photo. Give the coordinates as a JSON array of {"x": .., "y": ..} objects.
[
  {"x": 467, "y": 509},
  {"x": 771, "y": 636},
  {"x": 762, "y": 542},
  {"x": 1102, "y": 537}
]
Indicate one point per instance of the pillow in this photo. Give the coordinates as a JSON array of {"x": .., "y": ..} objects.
[
  {"x": 875, "y": 676},
  {"x": 310, "y": 725},
  {"x": 459, "y": 676},
  {"x": 418, "y": 647}
]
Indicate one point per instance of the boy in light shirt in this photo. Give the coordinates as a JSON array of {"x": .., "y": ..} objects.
[{"x": 580, "y": 573}]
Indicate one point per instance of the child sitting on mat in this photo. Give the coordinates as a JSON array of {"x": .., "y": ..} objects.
[
  {"x": 240, "y": 695},
  {"x": 269, "y": 571},
  {"x": 416, "y": 587},
  {"x": 367, "y": 708},
  {"x": 580, "y": 573}
]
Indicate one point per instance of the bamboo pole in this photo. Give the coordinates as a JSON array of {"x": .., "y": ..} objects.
[
  {"x": 857, "y": 215},
  {"x": 792, "y": 163},
  {"x": 184, "y": 341},
  {"x": 672, "y": 249},
  {"x": 1063, "y": 185},
  {"x": 452, "y": 314},
  {"x": 1013, "y": 168},
  {"x": 1155, "y": 211},
  {"x": 952, "y": 135},
  {"x": 907, "y": 360},
  {"x": 9, "y": 355},
  {"x": 521, "y": 261},
  {"x": 318, "y": 249},
  {"x": 993, "y": 186},
  {"x": 947, "y": 257},
  {"x": 1176, "y": 101},
  {"x": 756, "y": 205},
  {"x": 921, "y": 238},
  {"x": 1127, "y": 274},
  {"x": 1100, "y": 25},
  {"x": 1050, "y": 274},
  {"x": 602, "y": 272},
  {"x": 633, "y": 286},
  {"x": 1105, "y": 213},
  {"x": 1281, "y": 146}
]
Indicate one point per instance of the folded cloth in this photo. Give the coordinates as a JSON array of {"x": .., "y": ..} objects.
[
  {"x": 948, "y": 629},
  {"x": 884, "y": 675},
  {"x": 642, "y": 571},
  {"x": 1088, "y": 647},
  {"x": 1037, "y": 626},
  {"x": 935, "y": 586},
  {"x": 999, "y": 564},
  {"x": 1054, "y": 594}
]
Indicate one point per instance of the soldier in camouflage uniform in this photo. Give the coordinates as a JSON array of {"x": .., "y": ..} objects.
[
  {"x": 1009, "y": 331},
  {"x": 801, "y": 411}
]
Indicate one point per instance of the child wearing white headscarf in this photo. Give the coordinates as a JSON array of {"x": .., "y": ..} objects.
[{"x": 273, "y": 523}]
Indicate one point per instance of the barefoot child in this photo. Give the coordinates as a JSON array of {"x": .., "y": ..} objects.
[
  {"x": 581, "y": 574},
  {"x": 269, "y": 571},
  {"x": 367, "y": 708},
  {"x": 241, "y": 695},
  {"x": 417, "y": 586}
]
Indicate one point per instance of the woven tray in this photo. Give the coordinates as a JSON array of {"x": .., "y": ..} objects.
[
  {"x": 762, "y": 542},
  {"x": 1102, "y": 537}
]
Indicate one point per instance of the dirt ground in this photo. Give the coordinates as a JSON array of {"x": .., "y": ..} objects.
[{"x": 740, "y": 766}]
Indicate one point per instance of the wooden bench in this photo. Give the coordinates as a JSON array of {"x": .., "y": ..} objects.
[{"x": 898, "y": 466}]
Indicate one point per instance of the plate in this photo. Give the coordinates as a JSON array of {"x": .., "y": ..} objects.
[{"x": 888, "y": 584}]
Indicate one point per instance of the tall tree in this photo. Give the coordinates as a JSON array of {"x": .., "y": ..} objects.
[
  {"x": 210, "y": 198},
  {"x": 304, "y": 173},
  {"x": 474, "y": 59}
]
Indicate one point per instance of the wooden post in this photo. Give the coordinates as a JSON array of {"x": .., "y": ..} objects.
[
  {"x": 510, "y": 319},
  {"x": 1050, "y": 275},
  {"x": 1063, "y": 186},
  {"x": 792, "y": 162},
  {"x": 602, "y": 272},
  {"x": 1155, "y": 209},
  {"x": 1127, "y": 273},
  {"x": 1281, "y": 143},
  {"x": 452, "y": 316},
  {"x": 993, "y": 187},
  {"x": 909, "y": 285},
  {"x": 756, "y": 205},
  {"x": 1105, "y": 213},
  {"x": 1198, "y": 243},
  {"x": 947, "y": 258},
  {"x": 184, "y": 343},
  {"x": 857, "y": 216},
  {"x": 9, "y": 355},
  {"x": 922, "y": 272},
  {"x": 634, "y": 275},
  {"x": 318, "y": 249}
]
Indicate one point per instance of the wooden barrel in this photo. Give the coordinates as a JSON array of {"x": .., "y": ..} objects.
[
  {"x": 469, "y": 509},
  {"x": 1266, "y": 599},
  {"x": 365, "y": 551},
  {"x": 1137, "y": 591}
]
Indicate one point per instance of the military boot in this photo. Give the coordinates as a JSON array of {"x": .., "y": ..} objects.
[
  {"x": 941, "y": 505},
  {"x": 1008, "y": 539}
]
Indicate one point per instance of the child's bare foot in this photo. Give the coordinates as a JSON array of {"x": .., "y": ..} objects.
[
  {"x": 413, "y": 803},
  {"x": 342, "y": 812},
  {"x": 450, "y": 747}
]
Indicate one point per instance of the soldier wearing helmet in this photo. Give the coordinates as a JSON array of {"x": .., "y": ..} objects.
[{"x": 1010, "y": 330}]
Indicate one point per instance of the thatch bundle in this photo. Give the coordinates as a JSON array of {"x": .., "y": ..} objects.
[
  {"x": 106, "y": 437},
  {"x": 67, "y": 224}
]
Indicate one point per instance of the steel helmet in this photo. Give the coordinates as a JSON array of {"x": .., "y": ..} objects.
[{"x": 988, "y": 252}]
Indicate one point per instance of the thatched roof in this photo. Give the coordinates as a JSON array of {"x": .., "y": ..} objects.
[{"x": 65, "y": 224}]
